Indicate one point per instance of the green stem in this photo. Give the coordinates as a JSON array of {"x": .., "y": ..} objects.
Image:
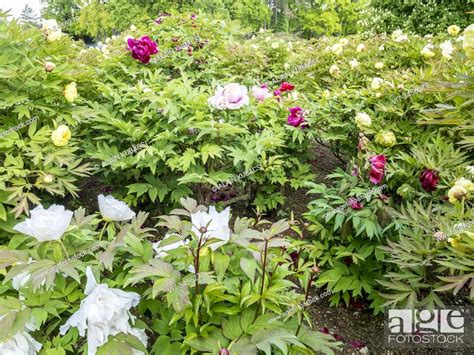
[
  {"x": 64, "y": 247},
  {"x": 306, "y": 294},
  {"x": 102, "y": 231}
]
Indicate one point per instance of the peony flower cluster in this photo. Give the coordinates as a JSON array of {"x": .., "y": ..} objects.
[
  {"x": 232, "y": 97},
  {"x": 142, "y": 48},
  {"x": 105, "y": 311}
]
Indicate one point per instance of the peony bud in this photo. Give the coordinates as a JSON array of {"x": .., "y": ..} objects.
[
  {"x": 224, "y": 351},
  {"x": 49, "y": 66},
  {"x": 387, "y": 139}
]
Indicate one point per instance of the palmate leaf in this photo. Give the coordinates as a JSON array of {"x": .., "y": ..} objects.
[
  {"x": 319, "y": 342},
  {"x": 280, "y": 338},
  {"x": 123, "y": 344}
]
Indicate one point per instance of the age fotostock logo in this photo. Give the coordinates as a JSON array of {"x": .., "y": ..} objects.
[{"x": 446, "y": 328}]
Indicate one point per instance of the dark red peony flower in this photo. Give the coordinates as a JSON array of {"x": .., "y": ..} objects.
[
  {"x": 286, "y": 87},
  {"x": 429, "y": 179},
  {"x": 354, "y": 204},
  {"x": 356, "y": 344},
  {"x": 296, "y": 117},
  {"x": 377, "y": 170},
  {"x": 338, "y": 337},
  {"x": 324, "y": 330},
  {"x": 142, "y": 48}
]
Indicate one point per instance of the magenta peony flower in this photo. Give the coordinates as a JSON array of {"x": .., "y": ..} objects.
[
  {"x": 142, "y": 48},
  {"x": 355, "y": 204},
  {"x": 377, "y": 170},
  {"x": 277, "y": 93},
  {"x": 286, "y": 87},
  {"x": 296, "y": 117},
  {"x": 429, "y": 179}
]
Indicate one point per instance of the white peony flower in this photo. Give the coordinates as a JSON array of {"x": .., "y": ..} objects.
[
  {"x": 22, "y": 343},
  {"x": 105, "y": 311},
  {"x": 376, "y": 83},
  {"x": 113, "y": 209},
  {"x": 362, "y": 119},
  {"x": 275, "y": 45},
  {"x": 398, "y": 36},
  {"x": 344, "y": 41},
  {"x": 334, "y": 70},
  {"x": 217, "y": 225},
  {"x": 161, "y": 251},
  {"x": 378, "y": 65},
  {"x": 360, "y": 48},
  {"x": 337, "y": 48},
  {"x": 232, "y": 96},
  {"x": 470, "y": 169},
  {"x": 354, "y": 63},
  {"x": 381, "y": 48},
  {"x": 51, "y": 30},
  {"x": 46, "y": 225},
  {"x": 427, "y": 51},
  {"x": 446, "y": 49}
]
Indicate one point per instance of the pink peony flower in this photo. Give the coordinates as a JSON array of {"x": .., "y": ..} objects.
[
  {"x": 286, "y": 87},
  {"x": 377, "y": 170},
  {"x": 232, "y": 96},
  {"x": 261, "y": 92},
  {"x": 142, "y": 48},
  {"x": 355, "y": 204},
  {"x": 429, "y": 179},
  {"x": 296, "y": 117}
]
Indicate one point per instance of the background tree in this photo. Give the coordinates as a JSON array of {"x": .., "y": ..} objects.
[{"x": 28, "y": 16}]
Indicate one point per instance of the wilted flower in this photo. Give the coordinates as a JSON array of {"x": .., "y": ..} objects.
[
  {"x": 232, "y": 96},
  {"x": 399, "y": 36},
  {"x": 363, "y": 141},
  {"x": 447, "y": 49},
  {"x": 261, "y": 92},
  {"x": 70, "y": 92},
  {"x": 285, "y": 86},
  {"x": 353, "y": 63},
  {"x": 334, "y": 70},
  {"x": 296, "y": 117},
  {"x": 429, "y": 179},
  {"x": 337, "y": 49},
  {"x": 46, "y": 225},
  {"x": 51, "y": 30},
  {"x": 61, "y": 136},
  {"x": 387, "y": 139},
  {"x": 360, "y": 48},
  {"x": 377, "y": 170},
  {"x": 378, "y": 65},
  {"x": 113, "y": 209},
  {"x": 49, "y": 66},
  {"x": 453, "y": 30},
  {"x": 105, "y": 311},
  {"x": 216, "y": 224},
  {"x": 427, "y": 51},
  {"x": 142, "y": 48},
  {"x": 362, "y": 119},
  {"x": 468, "y": 41},
  {"x": 376, "y": 83}
]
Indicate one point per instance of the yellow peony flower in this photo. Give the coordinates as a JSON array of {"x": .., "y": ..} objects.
[
  {"x": 61, "y": 136},
  {"x": 454, "y": 242},
  {"x": 378, "y": 65},
  {"x": 344, "y": 41},
  {"x": 453, "y": 30},
  {"x": 457, "y": 193},
  {"x": 467, "y": 184},
  {"x": 387, "y": 139},
  {"x": 70, "y": 92},
  {"x": 468, "y": 41}
]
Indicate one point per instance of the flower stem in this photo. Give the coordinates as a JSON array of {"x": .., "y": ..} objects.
[
  {"x": 264, "y": 266},
  {"x": 64, "y": 247},
  {"x": 102, "y": 231},
  {"x": 306, "y": 294}
]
